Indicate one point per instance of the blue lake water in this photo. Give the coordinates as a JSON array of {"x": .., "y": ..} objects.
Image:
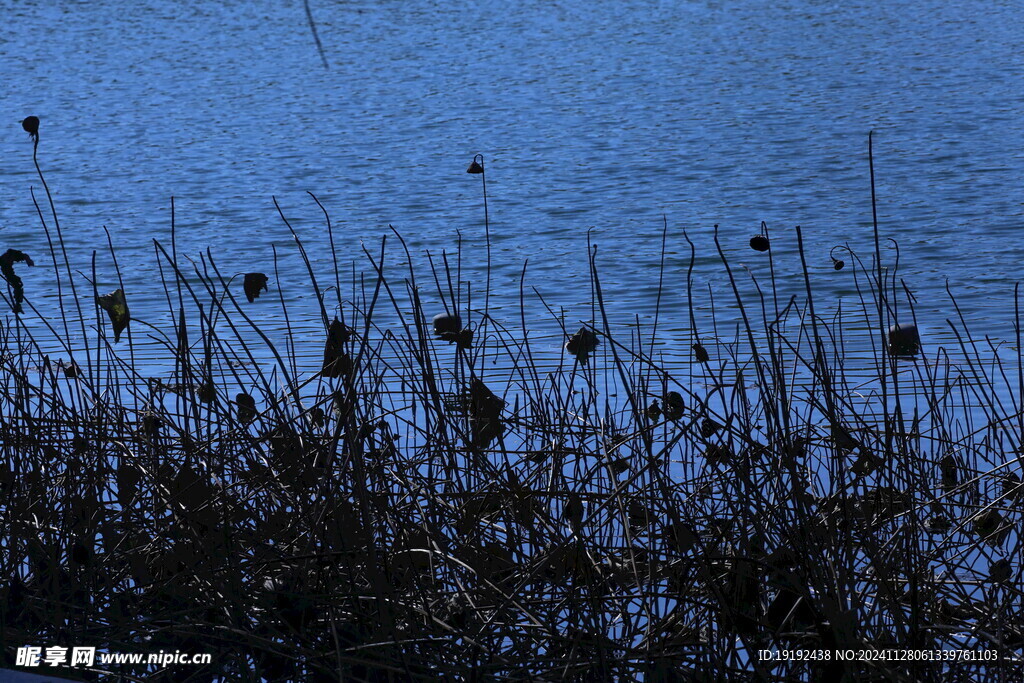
[{"x": 607, "y": 115}]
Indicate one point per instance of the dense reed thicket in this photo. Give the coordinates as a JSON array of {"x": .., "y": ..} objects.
[{"x": 407, "y": 512}]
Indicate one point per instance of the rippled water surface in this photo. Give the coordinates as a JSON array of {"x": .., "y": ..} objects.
[{"x": 603, "y": 115}]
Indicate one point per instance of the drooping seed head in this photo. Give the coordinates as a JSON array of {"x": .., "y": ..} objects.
[{"x": 31, "y": 126}]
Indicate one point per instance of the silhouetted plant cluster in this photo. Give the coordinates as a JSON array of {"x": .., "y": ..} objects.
[{"x": 405, "y": 512}]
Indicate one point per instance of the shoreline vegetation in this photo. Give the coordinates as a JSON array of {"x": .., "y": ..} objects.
[{"x": 401, "y": 514}]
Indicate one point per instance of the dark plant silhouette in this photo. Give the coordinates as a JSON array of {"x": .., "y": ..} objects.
[
  {"x": 7, "y": 261},
  {"x": 253, "y": 284},
  {"x": 31, "y": 126},
  {"x": 403, "y": 510}
]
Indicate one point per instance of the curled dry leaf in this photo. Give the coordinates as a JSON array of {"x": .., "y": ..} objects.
[
  {"x": 673, "y": 406},
  {"x": 582, "y": 344},
  {"x": 573, "y": 510},
  {"x": 117, "y": 310},
  {"x": 337, "y": 363},
  {"x": 485, "y": 414},
  {"x": 709, "y": 427},
  {"x": 253, "y": 284},
  {"x": 950, "y": 473},
  {"x": 1000, "y": 571},
  {"x": 992, "y": 527},
  {"x": 7, "y": 261}
]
